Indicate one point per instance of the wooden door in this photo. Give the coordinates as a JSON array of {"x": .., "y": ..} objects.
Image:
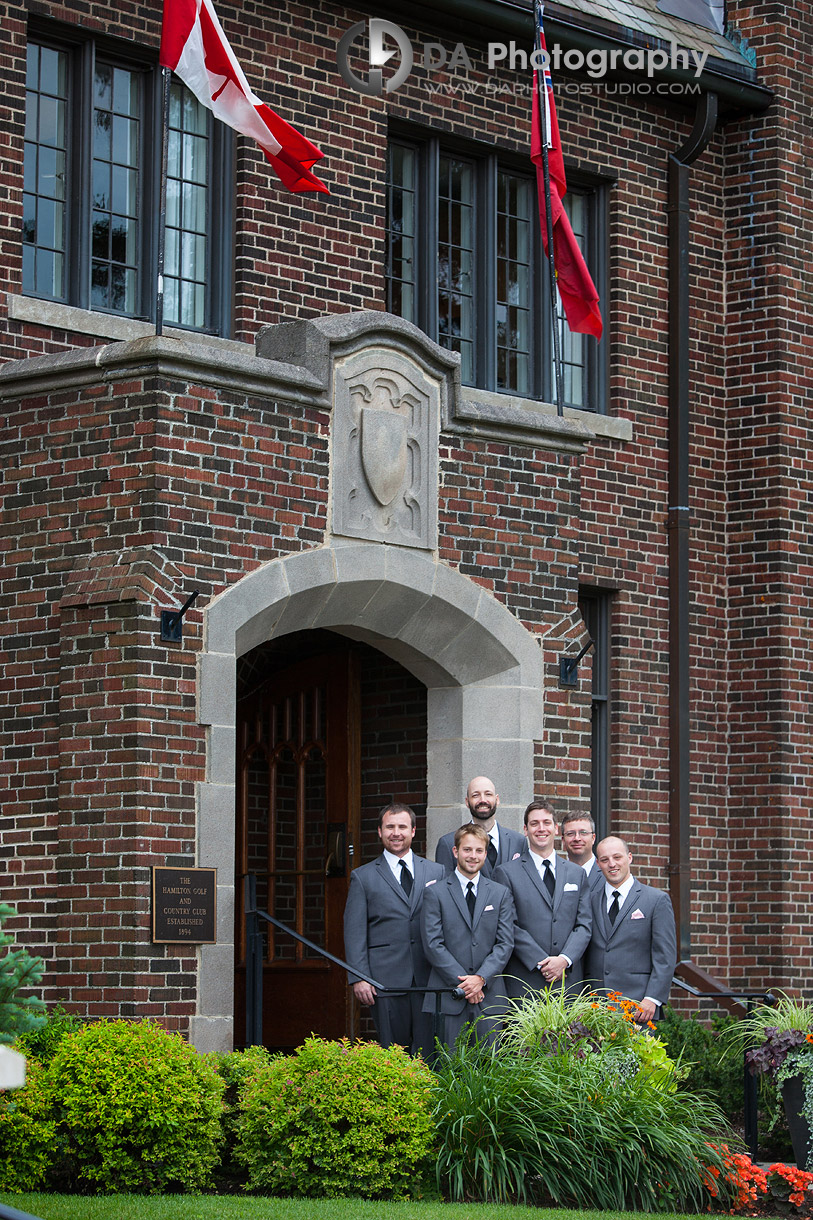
[{"x": 298, "y": 763}]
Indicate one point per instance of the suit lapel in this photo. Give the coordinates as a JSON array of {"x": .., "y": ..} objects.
[
  {"x": 533, "y": 872},
  {"x": 456, "y": 891},
  {"x": 559, "y": 880},
  {"x": 482, "y": 900},
  {"x": 624, "y": 910},
  {"x": 387, "y": 874},
  {"x": 419, "y": 881}
]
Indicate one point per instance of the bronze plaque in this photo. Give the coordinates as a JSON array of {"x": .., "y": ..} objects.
[{"x": 183, "y": 905}]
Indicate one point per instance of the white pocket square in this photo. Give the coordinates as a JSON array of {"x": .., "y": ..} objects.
[
  {"x": 571, "y": 885},
  {"x": 637, "y": 914},
  {"x": 432, "y": 882},
  {"x": 490, "y": 907}
]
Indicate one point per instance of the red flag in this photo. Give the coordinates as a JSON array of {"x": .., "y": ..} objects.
[
  {"x": 576, "y": 287},
  {"x": 194, "y": 46}
]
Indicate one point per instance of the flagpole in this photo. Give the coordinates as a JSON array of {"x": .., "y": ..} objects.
[
  {"x": 541, "y": 95},
  {"x": 162, "y": 207}
]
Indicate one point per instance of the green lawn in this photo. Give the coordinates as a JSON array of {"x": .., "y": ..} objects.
[{"x": 228, "y": 1207}]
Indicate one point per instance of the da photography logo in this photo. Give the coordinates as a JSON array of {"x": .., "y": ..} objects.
[{"x": 377, "y": 30}]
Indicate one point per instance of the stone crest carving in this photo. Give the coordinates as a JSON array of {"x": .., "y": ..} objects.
[{"x": 386, "y": 413}]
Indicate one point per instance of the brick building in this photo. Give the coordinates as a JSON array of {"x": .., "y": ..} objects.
[{"x": 344, "y": 443}]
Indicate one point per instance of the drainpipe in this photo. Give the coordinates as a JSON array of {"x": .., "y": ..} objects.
[{"x": 678, "y": 517}]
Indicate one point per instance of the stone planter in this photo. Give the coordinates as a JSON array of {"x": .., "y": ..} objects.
[{"x": 793, "y": 1099}]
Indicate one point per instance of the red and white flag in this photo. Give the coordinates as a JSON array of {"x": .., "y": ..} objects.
[
  {"x": 575, "y": 284},
  {"x": 194, "y": 46}
]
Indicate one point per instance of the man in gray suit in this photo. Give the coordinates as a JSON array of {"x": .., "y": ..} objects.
[
  {"x": 634, "y": 947},
  {"x": 578, "y": 837},
  {"x": 382, "y": 937},
  {"x": 467, "y": 925},
  {"x": 552, "y": 902},
  {"x": 503, "y": 845}
]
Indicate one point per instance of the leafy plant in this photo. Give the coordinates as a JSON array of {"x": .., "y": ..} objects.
[
  {"x": 697, "y": 1046},
  {"x": 136, "y": 1109},
  {"x": 337, "y": 1118},
  {"x": 27, "y": 1134},
  {"x": 18, "y": 970},
  {"x": 551, "y": 1023},
  {"x": 235, "y": 1070},
  {"x": 571, "y": 1130},
  {"x": 41, "y": 1042},
  {"x": 779, "y": 1042}
]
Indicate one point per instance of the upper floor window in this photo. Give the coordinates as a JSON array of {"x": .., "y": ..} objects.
[
  {"x": 91, "y": 187},
  {"x": 465, "y": 263}
]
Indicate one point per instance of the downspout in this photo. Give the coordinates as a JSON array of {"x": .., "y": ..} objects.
[{"x": 678, "y": 523}]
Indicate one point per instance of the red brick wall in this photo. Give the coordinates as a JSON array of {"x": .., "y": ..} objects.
[{"x": 216, "y": 483}]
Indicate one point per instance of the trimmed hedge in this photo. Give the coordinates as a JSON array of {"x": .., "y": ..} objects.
[{"x": 338, "y": 1118}]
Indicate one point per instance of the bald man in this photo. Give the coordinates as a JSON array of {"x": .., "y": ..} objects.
[
  {"x": 482, "y": 802},
  {"x": 634, "y": 946}
]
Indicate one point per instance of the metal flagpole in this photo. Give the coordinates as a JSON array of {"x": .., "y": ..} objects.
[
  {"x": 162, "y": 208},
  {"x": 541, "y": 96}
]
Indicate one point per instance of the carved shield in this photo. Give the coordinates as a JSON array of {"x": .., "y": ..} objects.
[{"x": 383, "y": 452}]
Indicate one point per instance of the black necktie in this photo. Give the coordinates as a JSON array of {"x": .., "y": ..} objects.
[
  {"x": 471, "y": 898},
  {"x": 613, "y": 911},
  {"x": 491, "y": 854},
  {"x": 549, "y": 879},
  {"x": 406, "y": 878}
]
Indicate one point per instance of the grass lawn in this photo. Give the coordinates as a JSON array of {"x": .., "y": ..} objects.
[{"x": 229, "y": 1207}]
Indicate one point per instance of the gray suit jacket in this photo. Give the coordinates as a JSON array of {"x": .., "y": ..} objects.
[
  {"x": 512, "y": 843},
  {"x": 546, "y": 925},
  {"x": 595, "y": 879},
  {"x": 455, "y": 944},
  {"x": 382, "y": 934},
  {"x": 637, "y": 954}
]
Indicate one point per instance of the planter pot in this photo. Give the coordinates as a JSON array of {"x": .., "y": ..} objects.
[{"x": 793, "y": 1098}]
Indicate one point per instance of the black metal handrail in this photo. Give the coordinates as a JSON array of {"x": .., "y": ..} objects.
[
  {"x": 750, "y": 1092},
  {"x": 254, "y": 998},
  {"x": 254, "y": 970}
]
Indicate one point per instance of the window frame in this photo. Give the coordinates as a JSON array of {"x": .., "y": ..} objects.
[
  {"x": 488, "y": 161},
  {"x": 83, "y": 50}
]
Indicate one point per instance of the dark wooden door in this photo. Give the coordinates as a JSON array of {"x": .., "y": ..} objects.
[{"x": 297, "y": 815}]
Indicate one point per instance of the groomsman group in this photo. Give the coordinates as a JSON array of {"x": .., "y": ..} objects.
[{"x": 498, "y": 915}]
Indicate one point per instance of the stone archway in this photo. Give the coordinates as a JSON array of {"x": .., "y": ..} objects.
[{"x": 481, "y": 667}]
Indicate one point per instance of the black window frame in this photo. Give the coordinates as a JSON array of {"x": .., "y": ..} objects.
[
  {"x": 82, "y": 49},
  {"x": 489, "y": 161}
]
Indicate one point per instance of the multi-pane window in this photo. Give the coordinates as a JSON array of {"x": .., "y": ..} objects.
[
  {"x": 44, "y": 203},
  {"x": 465, "y": 263},
  {"x": 91, "y": 188},
  {"x": 116, "y": 180}
]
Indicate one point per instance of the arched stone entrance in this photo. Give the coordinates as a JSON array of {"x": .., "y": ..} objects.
[{"x": 481, "y": 667}]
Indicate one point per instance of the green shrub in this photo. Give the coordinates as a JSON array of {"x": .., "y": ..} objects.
[
  {"x": 337, "y": 1118},
  {"x": 137, "y": 1110},
  {"x": 234, "y": 1070},
  {"x": 27, "y": 1134},
  {"x": 699, "y": 1047},
  {"x": 41, "y": 1043},
  {"x": 586, "y": 1113}
]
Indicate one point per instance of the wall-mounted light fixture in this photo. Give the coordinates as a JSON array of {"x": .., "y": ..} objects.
[
  {"x": 172, "y": 620},
  {"x": 569, "y": 667}
]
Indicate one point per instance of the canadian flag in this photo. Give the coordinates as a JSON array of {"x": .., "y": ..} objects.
[
  {"x": 576, "y": 288},
  {"x": 194, "y": 46}
]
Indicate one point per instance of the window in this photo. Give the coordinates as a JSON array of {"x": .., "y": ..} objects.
[
  {"x": 594, "y": 606},
  {"x": 92, "y": 182},
  {"x": 465, "y": 263}
]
